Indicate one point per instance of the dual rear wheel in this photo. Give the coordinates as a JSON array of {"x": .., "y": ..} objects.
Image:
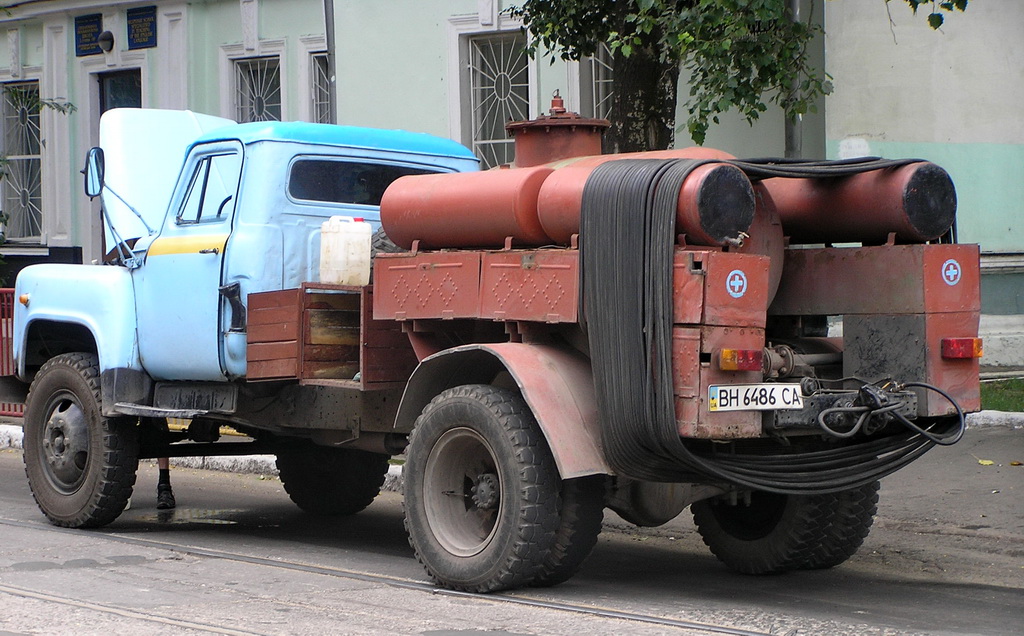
[{"x": 774, "y": 533}]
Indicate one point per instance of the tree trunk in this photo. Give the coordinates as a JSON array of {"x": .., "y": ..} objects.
[{"x": 643, "y": 103}]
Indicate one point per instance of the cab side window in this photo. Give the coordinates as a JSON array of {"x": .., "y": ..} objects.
[{"x": 211, "y": 189}]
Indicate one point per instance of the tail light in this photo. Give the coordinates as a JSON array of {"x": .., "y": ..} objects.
[
  {"x": 740, "y": 359},
  {"x": 961, "y": 348}
]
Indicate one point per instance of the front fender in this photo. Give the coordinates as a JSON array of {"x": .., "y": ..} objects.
[
  {"x": 99, "y": 298},
  {"x": 557, "y": 384}
]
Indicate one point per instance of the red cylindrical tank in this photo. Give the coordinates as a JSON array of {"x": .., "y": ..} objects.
[
  {"x": 716, "y": 201},
  {"x": 473, "y": 209},
  {"x": 917, "y": 202}
]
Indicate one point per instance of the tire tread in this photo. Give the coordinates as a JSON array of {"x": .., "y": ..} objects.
[
  {"x": 119, "y": 435},
  {"x": 332, "y": 481},
  {"x": 849, "y": 524},
  {"x": 539, "y": 492}
]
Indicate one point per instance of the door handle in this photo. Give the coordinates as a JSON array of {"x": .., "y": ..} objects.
[{"x": 210, "y": 250}]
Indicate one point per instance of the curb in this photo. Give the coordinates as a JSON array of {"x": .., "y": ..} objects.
[{"x": 11, "y": 436}]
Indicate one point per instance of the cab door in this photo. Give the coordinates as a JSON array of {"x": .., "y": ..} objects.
[{"x": 178, "y": 302}]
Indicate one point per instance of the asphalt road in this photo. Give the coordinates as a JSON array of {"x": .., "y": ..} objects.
[{"x": 946, "y": 556}]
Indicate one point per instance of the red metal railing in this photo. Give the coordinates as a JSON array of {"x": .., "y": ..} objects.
[{"x": 7, "y": 347}]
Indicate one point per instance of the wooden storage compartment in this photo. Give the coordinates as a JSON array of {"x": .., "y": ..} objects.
[
  {"x": 272, "y": 343},
  {"x": 325, "y": 334},
  {"x": 330, "y": 340}
]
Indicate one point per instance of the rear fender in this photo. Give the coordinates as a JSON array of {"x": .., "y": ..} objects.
[{"x": 557, "y": 385}]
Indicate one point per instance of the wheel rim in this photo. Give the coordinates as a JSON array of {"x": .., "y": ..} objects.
[
  {"x": 65, "y": 443},
  {"x": 462, "y": 492}
]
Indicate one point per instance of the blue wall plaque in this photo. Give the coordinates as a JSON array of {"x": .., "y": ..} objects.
[
  {"x": 87, "y": 31},
  {"x": 141, "y": 27}
]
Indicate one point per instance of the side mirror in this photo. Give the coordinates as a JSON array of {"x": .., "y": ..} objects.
[{"x": 93, "y": 172}]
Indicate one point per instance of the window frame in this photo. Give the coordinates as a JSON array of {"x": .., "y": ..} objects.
[
  {"x": 245, "y": 97},
  {"x": 459, "y": 28},
  {"x": 495, "y": 63},
  {"x": 202, "y": 163},
  {"x": 595, "y": 71},
  {"x": 229, "y": 53},
  {"x": 320, "y": 92},
  {"x": 28, "y": 164}
]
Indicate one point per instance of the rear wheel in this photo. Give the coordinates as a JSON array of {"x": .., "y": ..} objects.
[
  {"x": 773, "y": 533},
  {"x": 850, "y": 521},
  {"x": 80, "y": 465},
  {"x": 481, "y": 490},
  {"x": 331, "y": 481}
]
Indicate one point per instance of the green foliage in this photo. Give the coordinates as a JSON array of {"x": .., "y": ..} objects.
[
  {"x": 1004, "y": 395},
  {"x": 740, "y": 54}
]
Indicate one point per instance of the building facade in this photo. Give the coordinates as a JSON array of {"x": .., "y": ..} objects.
[{"x": 457, "y": 69}]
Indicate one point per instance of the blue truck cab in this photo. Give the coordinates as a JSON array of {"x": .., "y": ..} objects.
[{"x": 243, "y": 216}]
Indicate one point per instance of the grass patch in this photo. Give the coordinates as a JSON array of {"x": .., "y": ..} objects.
[{"x": 1003, "y": 395}]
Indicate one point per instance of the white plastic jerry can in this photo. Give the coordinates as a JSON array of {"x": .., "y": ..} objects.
[{"x": 345, "y": 251}]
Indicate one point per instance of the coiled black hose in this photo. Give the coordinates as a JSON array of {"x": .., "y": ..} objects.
[{"x": 626, "y": 244}]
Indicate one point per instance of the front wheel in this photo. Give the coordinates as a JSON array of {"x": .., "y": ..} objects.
[
  {"x": 481, "y": 491},
  {"x": 80, "y": 465}
]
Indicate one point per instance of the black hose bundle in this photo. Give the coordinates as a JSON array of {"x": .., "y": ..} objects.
[
  {"x": 810, "y": 169},
  {"x": 626, "y": 243}
]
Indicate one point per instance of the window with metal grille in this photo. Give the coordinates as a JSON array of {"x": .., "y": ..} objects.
[
  {"x": 499, "y": 91},
  {"x": 596, "y": 84},
  {"x": 258, "y": 89},
  {"x": 321, "y": 91},
  {"x": 21, "y": 184}
]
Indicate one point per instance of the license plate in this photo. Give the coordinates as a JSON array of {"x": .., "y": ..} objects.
[{"x": 754, "y": 397}]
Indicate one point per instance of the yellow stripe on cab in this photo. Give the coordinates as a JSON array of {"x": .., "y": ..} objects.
[{"x": 188, "y": 244}]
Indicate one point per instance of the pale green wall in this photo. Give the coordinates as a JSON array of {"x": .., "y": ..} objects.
[
  {"x": 291, "y": 18},
  {"x": 952, "y": 96},
  {"x": 392, "y": 63},
  {"x": 210, "y": 26},
  {"x": 215, "y": 24},
  {"x": 32, "y": 44}
]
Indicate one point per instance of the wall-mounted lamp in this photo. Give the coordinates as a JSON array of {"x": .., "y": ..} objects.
[{"x": 105, "y": 41}]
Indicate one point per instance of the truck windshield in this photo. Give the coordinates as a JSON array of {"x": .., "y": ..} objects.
[{"x": 344, "y": 181}]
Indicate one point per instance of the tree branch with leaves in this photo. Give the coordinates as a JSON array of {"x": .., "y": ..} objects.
[{"x": 740, "y": 54}]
